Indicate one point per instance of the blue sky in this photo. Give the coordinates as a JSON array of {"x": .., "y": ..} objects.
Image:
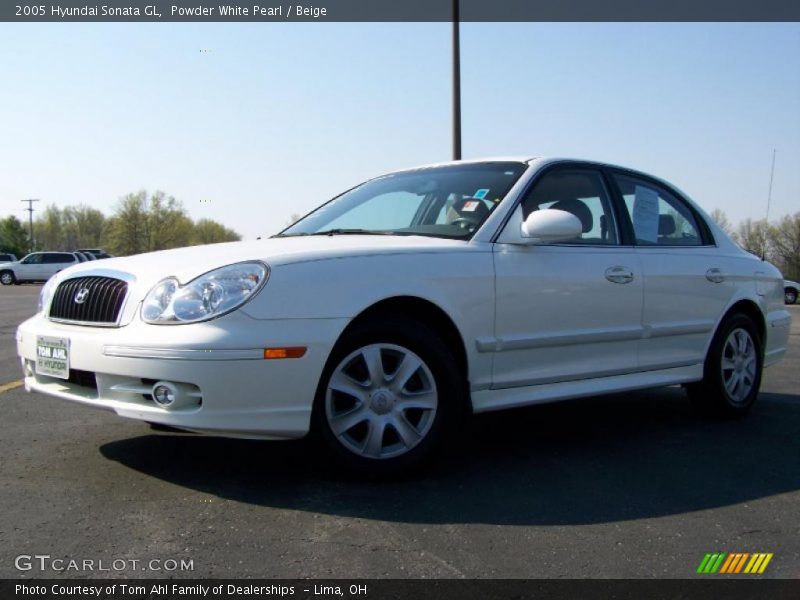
[{"x": 273, "y": 119}]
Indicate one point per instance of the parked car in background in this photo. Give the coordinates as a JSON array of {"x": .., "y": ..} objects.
[
  {"x": 378, "y": 320},
  {"x": 7, "y": 257},
  {"x": 790, "y": 290},
  {"x": 96, "y": 252},
  {"x": 37, "y": 266}
]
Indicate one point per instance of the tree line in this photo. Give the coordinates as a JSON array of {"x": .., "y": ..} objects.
[
  {"x": 141, "y": 222},
  {"x": 776, "y": 241},
  {"x": 145, "y": 222}
]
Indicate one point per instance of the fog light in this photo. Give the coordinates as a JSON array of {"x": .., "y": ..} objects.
[{"x": 163, "y": 394}]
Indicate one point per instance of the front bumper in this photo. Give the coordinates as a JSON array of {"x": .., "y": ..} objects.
[{"x": 235, "y": 391}]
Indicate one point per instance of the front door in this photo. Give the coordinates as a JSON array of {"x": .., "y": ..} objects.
[
  {"x": 571, "y": 310},
  {"x": 30, "y": 267}
]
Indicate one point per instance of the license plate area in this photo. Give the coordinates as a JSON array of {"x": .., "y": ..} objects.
[{"x": 52, "y": 356}]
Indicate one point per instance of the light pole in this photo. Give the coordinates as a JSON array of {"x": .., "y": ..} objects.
[
  {"x": 30, "y": 221},
  {"x": 769, "y": 200},
  {"x": 456, "y": 84}
]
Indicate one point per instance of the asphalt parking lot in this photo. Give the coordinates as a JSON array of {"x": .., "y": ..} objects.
[{"x": 630, "y": 485}]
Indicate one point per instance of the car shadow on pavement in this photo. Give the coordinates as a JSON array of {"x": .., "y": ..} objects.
[{"x": 596, "y": 460}]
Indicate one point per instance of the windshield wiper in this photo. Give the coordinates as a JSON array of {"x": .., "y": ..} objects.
[{"x": 340, "y": 231}]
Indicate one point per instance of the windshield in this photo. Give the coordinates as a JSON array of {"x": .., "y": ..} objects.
[{"x": 451, "y": 201}]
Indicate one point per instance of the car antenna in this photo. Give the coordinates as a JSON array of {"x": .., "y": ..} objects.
[{"x": 769, "y": 199}]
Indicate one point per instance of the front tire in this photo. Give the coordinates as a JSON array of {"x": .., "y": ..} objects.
[
  {"x": 789, "y": 296},
  {"x": 732, "y": 371},
  {"x": 390, "y": 395},
  {"x": 7, "y": 278}
]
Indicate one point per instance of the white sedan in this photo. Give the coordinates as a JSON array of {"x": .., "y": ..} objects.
[{"x": 380, "y": 319}]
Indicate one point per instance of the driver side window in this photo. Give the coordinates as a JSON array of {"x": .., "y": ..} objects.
[
  {"x": 582, "y": 193},
  {"x": 32, "y": 259}
]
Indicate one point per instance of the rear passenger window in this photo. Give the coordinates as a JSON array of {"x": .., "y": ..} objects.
[
  {"x": 658, "y": 217},
  {"x": 58, "y": 257},
  {"x": 580, "y": 192}
]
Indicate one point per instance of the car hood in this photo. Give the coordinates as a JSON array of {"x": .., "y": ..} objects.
[{"x": 188, "y": 263}]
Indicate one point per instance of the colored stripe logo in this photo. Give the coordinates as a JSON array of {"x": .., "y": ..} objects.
[{"x": 734, "y": 562}]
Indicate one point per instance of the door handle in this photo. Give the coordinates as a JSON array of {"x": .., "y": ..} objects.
[
  {"x": 619, "y": 274},
  {"x": 715, "y": 275}
]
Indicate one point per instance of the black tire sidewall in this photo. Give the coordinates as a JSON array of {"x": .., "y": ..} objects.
[
  {"x": 420, "y": 339},
  {"x": 792, "y": 297},
  {"x": 715, "y": 393}
]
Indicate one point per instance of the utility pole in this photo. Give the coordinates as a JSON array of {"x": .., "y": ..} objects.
[
  {"x": 771, "y": 177},
  {"x": 769, "y": 200},
  {"x": 30, "y": 221},
  {"x": 456, "y": 84}
]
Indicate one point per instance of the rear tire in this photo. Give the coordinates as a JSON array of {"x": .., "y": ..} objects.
[
  {"x": 732, "y": 371},
  {"x": 789, "y": 296},
  {"x": 7, "y": 278},
  {"x": 389, "y": 397}
]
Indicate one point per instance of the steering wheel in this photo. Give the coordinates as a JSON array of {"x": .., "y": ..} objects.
[{"x": 464, "y": 223}]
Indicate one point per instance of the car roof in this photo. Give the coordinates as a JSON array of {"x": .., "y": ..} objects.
[
  {"x": 541, "y": 161},
  {"x": 470, "y": 161},
  {"x": 526, "y": 159}
]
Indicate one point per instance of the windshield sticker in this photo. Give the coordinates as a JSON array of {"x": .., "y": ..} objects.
[
  {"x": 470, "y": 206},
  {"x": 645, "y": 214},
  {"x": 480, "y": 194}
]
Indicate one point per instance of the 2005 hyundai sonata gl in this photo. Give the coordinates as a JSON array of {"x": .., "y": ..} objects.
[{"x": 379, "y": 318}]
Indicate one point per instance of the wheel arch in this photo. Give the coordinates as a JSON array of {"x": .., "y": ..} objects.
[
  {"x": 430, "y": 314},
  {"x": 752, "y": 310}
]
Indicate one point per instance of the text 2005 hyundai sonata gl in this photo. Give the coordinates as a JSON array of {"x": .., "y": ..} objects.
[{"x": 379, "y": 318}]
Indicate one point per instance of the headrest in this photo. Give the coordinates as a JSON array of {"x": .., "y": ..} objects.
[
  {"x": 579, "y": 209},
  {"x": 666, "y": 224},
  {"x": 471, "y": 208}
]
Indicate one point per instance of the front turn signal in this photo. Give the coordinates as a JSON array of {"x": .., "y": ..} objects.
[{"x": 290, "y": 352}]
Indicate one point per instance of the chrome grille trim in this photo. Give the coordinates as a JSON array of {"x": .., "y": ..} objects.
[{"x": 103, "y": 305}]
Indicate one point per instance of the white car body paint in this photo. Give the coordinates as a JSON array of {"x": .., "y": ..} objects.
[{"x": 538, "y": 323}]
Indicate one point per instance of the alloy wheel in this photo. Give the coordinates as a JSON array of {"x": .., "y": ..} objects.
[
  {"x": 381, "y": 401},
  {"x": 739, "y": 364}
]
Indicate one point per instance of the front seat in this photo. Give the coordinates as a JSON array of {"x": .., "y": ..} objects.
[{"x": 579, "y": 209}]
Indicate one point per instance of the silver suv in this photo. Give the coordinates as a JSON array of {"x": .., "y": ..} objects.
[{"x": 37, "y": 266}]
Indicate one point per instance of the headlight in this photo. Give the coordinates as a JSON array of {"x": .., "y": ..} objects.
[
  {"x": 211, "y": 295},
  {"x": 45, "y": 294}
]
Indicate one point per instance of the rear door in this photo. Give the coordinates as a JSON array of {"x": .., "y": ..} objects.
[
  {"x": 686, "y": 282},
  {"x": 55, "y": 261}
]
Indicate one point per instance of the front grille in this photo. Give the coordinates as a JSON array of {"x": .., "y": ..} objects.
[{"x": 102, "y": 300}]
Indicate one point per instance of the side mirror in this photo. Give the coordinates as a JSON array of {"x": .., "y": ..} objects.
[{"x": 550, "y": 225}]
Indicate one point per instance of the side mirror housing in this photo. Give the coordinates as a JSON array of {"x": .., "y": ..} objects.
[{"x": 549, "y": 225}]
